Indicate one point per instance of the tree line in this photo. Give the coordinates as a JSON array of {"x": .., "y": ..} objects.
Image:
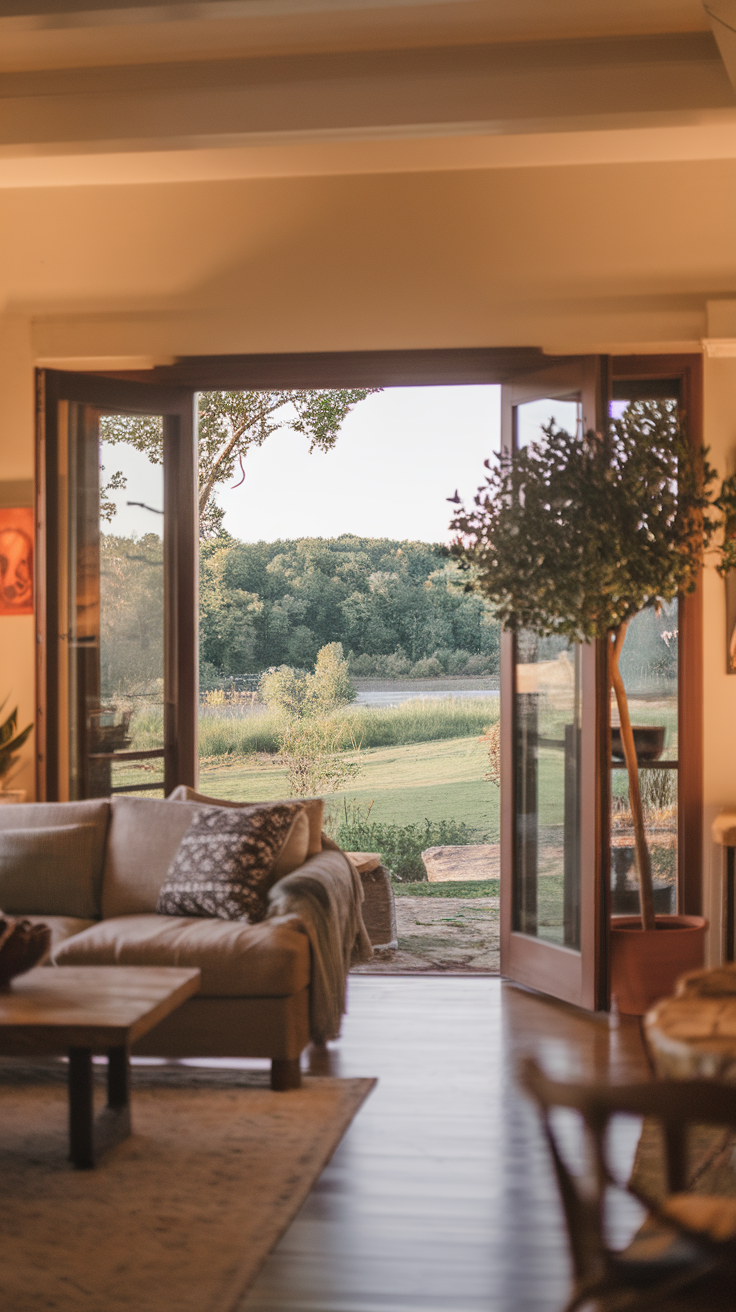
[{"x": 398, "y": 608}]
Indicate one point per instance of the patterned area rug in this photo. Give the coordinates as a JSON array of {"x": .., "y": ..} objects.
[
  {"x": 711, "y": 1161},
  {"x": 179, "y": 1217}
]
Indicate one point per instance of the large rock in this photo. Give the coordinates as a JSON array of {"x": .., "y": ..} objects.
[{"x": 453, "y": 864}]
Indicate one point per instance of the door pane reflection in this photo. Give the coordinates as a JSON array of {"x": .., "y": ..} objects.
[
  {"x": 547, "y": 705},
  {"x": 114, "y": 603},
  {"x": 649, "y": 665}
]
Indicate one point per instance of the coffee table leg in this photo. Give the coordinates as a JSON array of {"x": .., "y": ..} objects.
[
  {"x": 81, "y": 1109},
  {"x": 118, "y": 1077}
]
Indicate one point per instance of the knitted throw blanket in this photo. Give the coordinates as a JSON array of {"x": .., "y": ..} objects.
[{"x": 325, "y": 894}]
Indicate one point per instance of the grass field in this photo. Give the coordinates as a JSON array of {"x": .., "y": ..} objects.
[
  {"x": 232, "y": 732},
  {"x": 461, "y": 888},
  {"x": 440, "y": 780}
]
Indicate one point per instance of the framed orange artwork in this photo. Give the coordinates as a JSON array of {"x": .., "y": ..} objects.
[{"x": 16, "y": 561}]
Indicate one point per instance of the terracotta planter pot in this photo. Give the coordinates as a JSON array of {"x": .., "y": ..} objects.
[{"x": 646, "y": 963}]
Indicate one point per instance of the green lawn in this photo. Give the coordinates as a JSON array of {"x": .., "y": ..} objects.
[{"x": 441, "y": 780}]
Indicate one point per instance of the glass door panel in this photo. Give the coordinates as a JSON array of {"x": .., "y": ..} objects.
[
  {"x": 124, "y": 602},
  {"x": 649, "y": 666},
  {"x": 552, "y": 914},
  {"x": 548, "y": 741},
  {"x": 112, "y": 608}
]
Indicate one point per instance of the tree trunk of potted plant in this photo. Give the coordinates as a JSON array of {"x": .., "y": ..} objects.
[
  {"x": 643, "y": 862},
  {"x": 645, "y": 963}
]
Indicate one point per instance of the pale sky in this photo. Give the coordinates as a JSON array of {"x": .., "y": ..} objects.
[{"x": 399, "y": 455}]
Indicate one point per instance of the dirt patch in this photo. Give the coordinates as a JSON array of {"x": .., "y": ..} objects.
[{"x": 451, "y": 934}]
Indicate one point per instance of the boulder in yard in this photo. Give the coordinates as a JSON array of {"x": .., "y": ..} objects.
[{"x": 453, "y": 864}]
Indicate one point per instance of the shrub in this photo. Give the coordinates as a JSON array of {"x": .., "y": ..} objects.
[
  {"x": 395, "y": 666},
  {"x": 479, "y": 665},
  {"x": 428, "y": 668},
  {"x": 362, "y": 667},
  {"x": 401, "y": 846},
  {"x": 457, "y": 662},
  {"x": 658, "y": 789}
]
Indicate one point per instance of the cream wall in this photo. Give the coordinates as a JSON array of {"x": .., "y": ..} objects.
[
  {"x": 17, "y": 647},
  {"x": 569, "y": 258},
  {"x": 614, "y": 258}
]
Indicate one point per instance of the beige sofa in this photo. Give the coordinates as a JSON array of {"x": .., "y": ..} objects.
[{"x": 99, "y": 897}]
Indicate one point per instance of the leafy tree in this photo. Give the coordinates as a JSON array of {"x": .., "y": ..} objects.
[
  {"x": 131, "y": 615},
  {"x": 390, "y": 603},
  {"x": 230, "y": 423},
  {"x": 310, "y": 738},
  {"x": 575, "y": 537}
]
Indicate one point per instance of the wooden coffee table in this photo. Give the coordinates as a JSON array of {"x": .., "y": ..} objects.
[{"x": 80, "y": 1010}]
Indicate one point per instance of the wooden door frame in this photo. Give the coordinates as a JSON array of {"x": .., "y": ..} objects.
[
  {"x": 180, "y": 562},
  {"x": 415, "y": 368},
  {"x": 687, "y": 372}
]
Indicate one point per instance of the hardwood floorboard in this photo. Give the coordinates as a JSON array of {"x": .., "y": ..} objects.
[{"x": 441, "y": 1197}]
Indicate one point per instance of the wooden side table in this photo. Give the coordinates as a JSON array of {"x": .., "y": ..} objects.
[
  {"x": 379, "y": 906},
  {"x": 692, "y": 1036}
]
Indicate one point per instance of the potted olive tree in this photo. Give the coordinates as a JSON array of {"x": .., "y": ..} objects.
[{"x": 574, "y": 537}]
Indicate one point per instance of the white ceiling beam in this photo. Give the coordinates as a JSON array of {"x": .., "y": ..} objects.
[{"x": 495, "y": 90}]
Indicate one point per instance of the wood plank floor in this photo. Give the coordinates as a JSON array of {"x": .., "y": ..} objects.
[{"x": 440, "y": 1197}]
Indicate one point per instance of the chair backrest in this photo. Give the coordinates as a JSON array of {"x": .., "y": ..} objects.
[{"x": 674, "y": 1104}]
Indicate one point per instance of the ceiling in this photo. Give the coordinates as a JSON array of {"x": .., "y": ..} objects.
[
  {"x": 234, "y": 88},
  {"x": 77, "y": 33}
]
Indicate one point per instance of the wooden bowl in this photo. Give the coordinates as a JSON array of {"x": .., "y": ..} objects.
[
  {"x": 23, "y": 945},
  {"x": 648, "y": 741}
]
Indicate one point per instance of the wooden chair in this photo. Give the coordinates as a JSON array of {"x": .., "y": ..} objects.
[{"x": 684, "y": 1256}]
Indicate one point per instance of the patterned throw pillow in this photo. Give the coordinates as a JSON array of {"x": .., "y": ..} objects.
[{"x": 224, "y": 862}]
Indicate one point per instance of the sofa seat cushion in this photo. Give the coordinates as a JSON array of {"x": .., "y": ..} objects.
[
  {"x": 62, "y": 927},
  {"x": 237, "y": 960}
]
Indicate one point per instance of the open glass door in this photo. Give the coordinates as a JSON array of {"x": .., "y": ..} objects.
[
  {"x": 118, "y": 631},
  {"x": 553, "y": 902}
]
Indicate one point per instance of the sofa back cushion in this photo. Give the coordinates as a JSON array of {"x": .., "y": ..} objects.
[
  {"x": 313, "y": 806},
  {"x": 144, "y": 839},
  {"x": 52, "y": 856}
]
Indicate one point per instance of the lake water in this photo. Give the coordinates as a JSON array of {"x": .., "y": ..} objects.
[{"x": 395, "y": 696}]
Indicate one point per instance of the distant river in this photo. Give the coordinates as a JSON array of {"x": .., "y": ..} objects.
[{"x": 396, "y": 696}]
